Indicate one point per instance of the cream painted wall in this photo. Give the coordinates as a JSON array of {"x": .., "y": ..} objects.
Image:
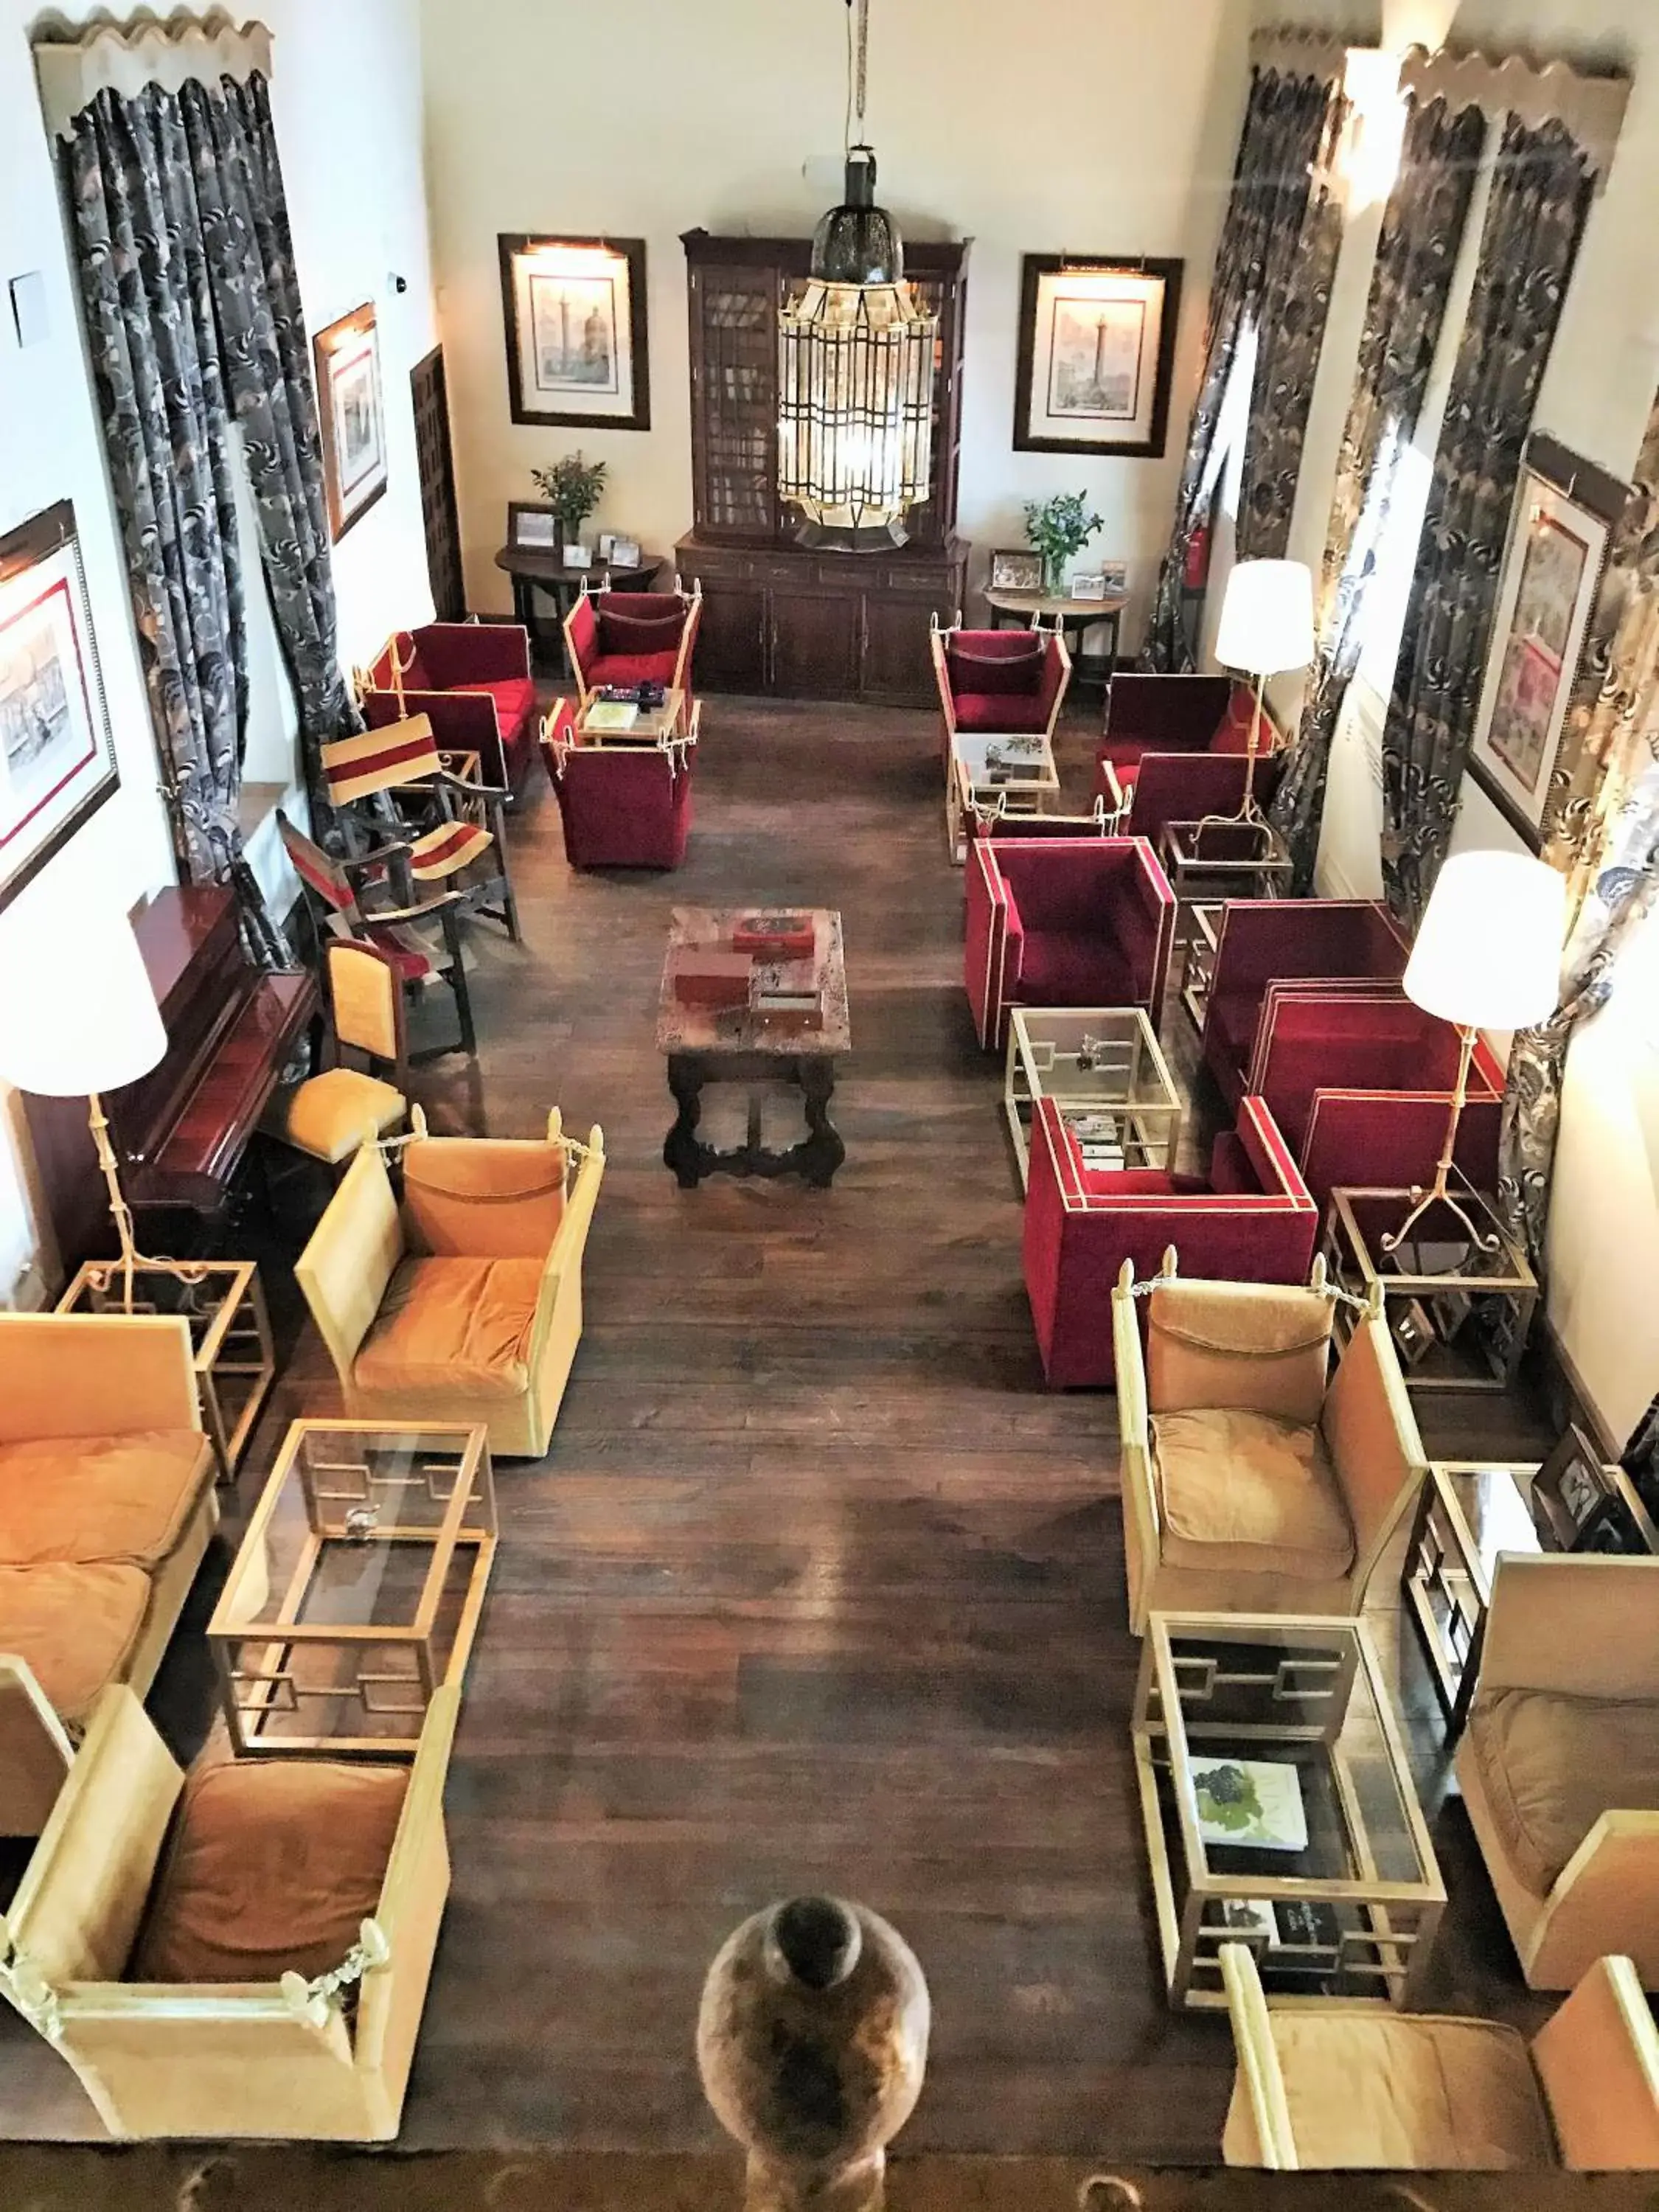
[
  {"x": 347, "y": 92},
  {"x": 1096, "y": 125}
]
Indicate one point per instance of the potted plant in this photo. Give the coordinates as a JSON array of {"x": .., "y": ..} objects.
[
  {"x": 1058, "y": 530},
  {"x": 572, "y": 489}
]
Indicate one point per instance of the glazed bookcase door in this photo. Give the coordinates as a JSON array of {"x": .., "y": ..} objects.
[
  {"x": 942, "y": 296},
  {"x": 734, "y": 388}
]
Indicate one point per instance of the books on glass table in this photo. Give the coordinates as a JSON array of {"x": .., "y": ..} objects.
[
  {"x": 611, "y": 717},
  {"x": 1250, "y": 1804}
]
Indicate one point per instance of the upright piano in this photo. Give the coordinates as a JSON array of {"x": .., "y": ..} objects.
[{"x": 181, "y": 1130}]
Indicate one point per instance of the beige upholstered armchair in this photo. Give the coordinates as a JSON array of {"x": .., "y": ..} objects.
[
  {"x": 463, "y": 1304},
  {"x": 1329, "y": 2085},
  {"x": 1254, "y": 1480},
  {"x": 191, "y": 1946},
  {"x": 1559, "y": 1761}
]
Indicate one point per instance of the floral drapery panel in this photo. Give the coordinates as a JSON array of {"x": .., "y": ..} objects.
[
  {"x": 1540, "y": 200},
  {"x": 1291, "y": 127},
  {"x": 1411, "y": 286},
  {"x": 192, "y": 311}
]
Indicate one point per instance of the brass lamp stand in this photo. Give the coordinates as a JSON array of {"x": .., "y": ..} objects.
[
  {"x": 1437, "y": 1192},
  {"x": 1267, "y": 629},
  {"x": 131, "y": 1258}
]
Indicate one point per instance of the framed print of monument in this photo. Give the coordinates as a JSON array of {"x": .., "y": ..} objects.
[
  {"x": 352, "y": 417},
  {"x": 576, "y": 322},
  {"x": 1097, "y": 355}
]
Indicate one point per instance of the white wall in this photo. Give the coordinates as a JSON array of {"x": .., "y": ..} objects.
[
  {"x": 1097, "y": 126},
  {"x": 347, "y": 92}
]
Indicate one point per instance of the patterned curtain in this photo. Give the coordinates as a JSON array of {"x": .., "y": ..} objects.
[
  {"x": 192, "y": 310},
  {"x": 1291, "y": 126},
  {"x": 1411, "y": 285},
  {"x": 1540, "y": 200}
]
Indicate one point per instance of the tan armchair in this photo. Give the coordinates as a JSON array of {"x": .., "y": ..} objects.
[
  {"x": 1253, "y": 1479},
  {"x": 1326, "y": 2085},
  {"x": 1559, "y": 1761},
  {"x": 466, "y": 1302},
  {"x": 106, "y": 1505},
  {"x": 188, "y": 1945}
]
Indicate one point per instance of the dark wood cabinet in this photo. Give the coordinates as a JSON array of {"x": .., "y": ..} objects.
[{"x": 777, "y": 617}]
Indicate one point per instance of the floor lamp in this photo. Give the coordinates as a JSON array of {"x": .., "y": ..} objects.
[
  {"x": 1487, "y": 957},
  {"x": 78, "y": 1018},
  {"x": 1267, "y": 629}
]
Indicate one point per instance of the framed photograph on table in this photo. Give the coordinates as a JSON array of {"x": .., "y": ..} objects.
[
  {"x": 1565, "y": 512},
  {"x": 57, "y": 753},
  {"x": 1097, "y": 355},
  {"x": 1015, "y": 570},
  {"x": 353, "y": 412},
  {"x": 575, "y": 313},
  {"x": 531, "y": 528}
]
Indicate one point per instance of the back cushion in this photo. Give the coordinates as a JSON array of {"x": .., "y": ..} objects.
[
  {"x": 997, "y": 670},
  {"x": 494, "y": 1198},
  {"x": 1258, "y": 1348},
  {"x": 641, "y": 632}
]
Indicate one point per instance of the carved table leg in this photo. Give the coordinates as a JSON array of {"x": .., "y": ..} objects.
[
  {"x": 823, "y": 1152},
  {"x": 682, "y": 1149}
]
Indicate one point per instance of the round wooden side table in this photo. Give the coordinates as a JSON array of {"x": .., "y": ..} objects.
[
  {"x": 1074, "y": 617},
  {"x": 539, "y": 569}
]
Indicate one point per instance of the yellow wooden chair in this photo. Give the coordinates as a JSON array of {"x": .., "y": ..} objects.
[{"x": 328, "y": 1115}]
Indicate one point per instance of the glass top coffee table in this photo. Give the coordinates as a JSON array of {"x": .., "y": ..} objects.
[
  {"x": 991, "y": 774},
  {"x": 1279, "y": 1810},
  {"x": 357, "y": 1588},
  {"x": 1103, "y": 1067},
  {"x": 652, "y": 726}
]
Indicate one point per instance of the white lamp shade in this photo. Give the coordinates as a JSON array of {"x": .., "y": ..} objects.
[
  {"x": 1267, "y": 617},
  {"x": 76, "y": 1010},
  {"x": 1488, "y": 954}
]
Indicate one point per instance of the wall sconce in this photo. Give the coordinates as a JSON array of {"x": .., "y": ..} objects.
[{"x": 1377, "y": 134}]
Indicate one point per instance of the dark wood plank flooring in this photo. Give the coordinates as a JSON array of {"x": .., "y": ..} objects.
[{"x": 818, "y": 1586}]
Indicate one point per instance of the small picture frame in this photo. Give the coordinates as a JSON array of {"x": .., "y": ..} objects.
[
  {"x": 531, "y": 528},
  {"x": 624, "y": 552},
  {"x": 1448, "y": 1313},
  {"x": 1569, "y": 1491},
  {"x": 1114, "y": 577},
  {"x": 578, "y": 556},
  {"x": 1015, "y": 569},
  {"x": 1413, "y": 1333},
  {"x": 1089, "y": 585}
]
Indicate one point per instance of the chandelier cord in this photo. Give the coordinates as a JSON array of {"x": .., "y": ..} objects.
[{"x": 857, "y": 72}]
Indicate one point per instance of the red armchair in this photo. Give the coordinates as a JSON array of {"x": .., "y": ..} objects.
[
  {"x": 1267, "y": 941},
  {"x": 473, "y": 679},
  {"x": 1064, "y": 921},
  {"x": 1006, "y": 682},
  {"x": 624, "y": 806},
  {"x": 625, "y": 638},
  {"x": 1181, "y": 787},
  {"x": 1252, "y": 1220},
  {"x": 1178, "y": 715}
]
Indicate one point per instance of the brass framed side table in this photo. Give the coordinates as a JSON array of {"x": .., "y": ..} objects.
[
  {"x": 1103, "y": 1062},
  {"x": 1017, "y": 772},
  {"x": 357, "y": 1589},
  {"x": 1216, "y": 858},
  {"x": 1197, "y": 959},
  {"x": 1459, "y": 1312},
  {"x": 229, "y": 1334},
  {"x": 1345, "y": 1899}
]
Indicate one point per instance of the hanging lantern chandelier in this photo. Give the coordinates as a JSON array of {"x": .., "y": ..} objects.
[{"x": 856, "y": 364}]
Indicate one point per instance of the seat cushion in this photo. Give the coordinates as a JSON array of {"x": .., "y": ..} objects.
[
  {"x": 84, "y": 1498},
  {"x": 1065, "y": 968},
  {"x": 76, "y": 1626},
  {"x": 1440, "y": 2095},
  {"x": 1552, "y": 1765},
  {"x": 269, "y": 1867},
  {"x": 331, "y": 1114},
  {"x": 516, "y": 704},
  {"x": 453, "y": 1324},
  {"x": 1249, "y": 1493},
  {"x": 1000, "y": 713}
]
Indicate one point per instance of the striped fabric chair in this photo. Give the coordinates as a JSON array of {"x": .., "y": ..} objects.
[{"x": 394, "y": 781}]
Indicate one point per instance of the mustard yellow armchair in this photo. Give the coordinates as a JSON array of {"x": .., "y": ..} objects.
[
  {"x": 1559, "y": 1761},
  {"x": 189, "y": 1946},
  {"x": 1327, "y": 2085},
  {"x": 466, "y": 1302},
  {"x": 1254, "y": 1480}
]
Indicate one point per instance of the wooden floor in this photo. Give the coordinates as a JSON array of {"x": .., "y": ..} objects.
[{"x": 818, "y": 1586}]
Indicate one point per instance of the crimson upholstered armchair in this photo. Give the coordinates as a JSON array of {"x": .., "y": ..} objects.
[
  {"x": 1180, "y": 787},
  {"x": 1360, "y": 1080},
  {"x": 472, "y": 678},
  {"x": 1064, "y": 921},
  {"x": 1006, "y": 683},
  {"x": 624, "y": 806},
  {"x": 1291, "y": 941},
  {"x": 1250, "y": 1220},
  {"x": 1178, "y": 715},
  {"x": 625, "y": 638}
]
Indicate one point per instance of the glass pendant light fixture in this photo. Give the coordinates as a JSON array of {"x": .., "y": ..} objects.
[{"x": 856, "y": 364}]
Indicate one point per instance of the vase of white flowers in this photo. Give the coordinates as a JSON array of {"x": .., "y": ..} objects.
[{"x": 1058, "y": 529}]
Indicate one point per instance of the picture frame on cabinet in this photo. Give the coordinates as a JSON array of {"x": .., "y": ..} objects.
[
  {"x": 352, "y": 405},
  {"x": 57, "y": 763},
  {"x": 1096, "y": 362},
  {"x": 573, "y": 315}
]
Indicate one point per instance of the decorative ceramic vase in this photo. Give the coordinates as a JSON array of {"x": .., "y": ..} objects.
[{"x": 812, "y": 2043}]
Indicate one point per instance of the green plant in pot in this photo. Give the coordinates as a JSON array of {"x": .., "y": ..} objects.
[
  {"x": 1058, "y": 529},
  {"x": 572, "y": 489}
]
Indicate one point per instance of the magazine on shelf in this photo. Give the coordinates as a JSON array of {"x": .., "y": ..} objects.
[{"x": 1250, "y": 1804}]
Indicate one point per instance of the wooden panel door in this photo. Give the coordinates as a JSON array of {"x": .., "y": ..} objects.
[
  {"x": 733, "y": 637},
  {"x": 439, "y": 512},
  {"x": 898, "y": 664},
  {"x": 734, "y": 398},
  {"x": 816, "y": 643}
]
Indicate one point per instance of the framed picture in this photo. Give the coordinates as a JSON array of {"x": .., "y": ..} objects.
[
  {"x": 354, "y": 417},
  {"x": 1114, "y": 577},
  {"x": 1019, "y": 570},
  {"x": 1090, "y": 585},
  {"x": 1568, "y": 1491},
  {"x": 57, "y": 753},
  {"x": 574, "y": 315},
  {"x": 1565, "y": 514},
  {"x": 532, "y": 528},
  {"x": 1412, "y": 1330},
  {"x": 1097, "y": 355}
]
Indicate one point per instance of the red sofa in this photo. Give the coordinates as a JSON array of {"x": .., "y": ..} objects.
[
  {"x": 625, "y": 638},
  {"x": 1267, "y": 941},
  {"x": 623, "y": 806},
  {"x": 473, "y": 679},
  {"x": 1182, "y": 787},
  {"x": 1178, "y": 715},
  {"x": 1360, "y": 1082},
  {"x": 1008, "y": 682},
  {"x": 1064, "y": 921},
  {"x": 1251, "y": 1220}
]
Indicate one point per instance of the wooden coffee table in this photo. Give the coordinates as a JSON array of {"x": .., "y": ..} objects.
[{"x": 752, "y": 1045}]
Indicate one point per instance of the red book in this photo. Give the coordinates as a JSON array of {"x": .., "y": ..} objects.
[
  {"x": 712, "y": 979},
  {"x": 780, "y": 937}
]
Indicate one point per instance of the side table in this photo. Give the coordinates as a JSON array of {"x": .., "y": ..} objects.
[
  {"x": 1197, "y": 959},
  {"x": 1016, "y": 772},
  {"x": 1220, "y": 859},
  {"x": 1071, "y": 616},
  {"x": 541, "y": 568},
  {"x": 1101, "y": 1062}
]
